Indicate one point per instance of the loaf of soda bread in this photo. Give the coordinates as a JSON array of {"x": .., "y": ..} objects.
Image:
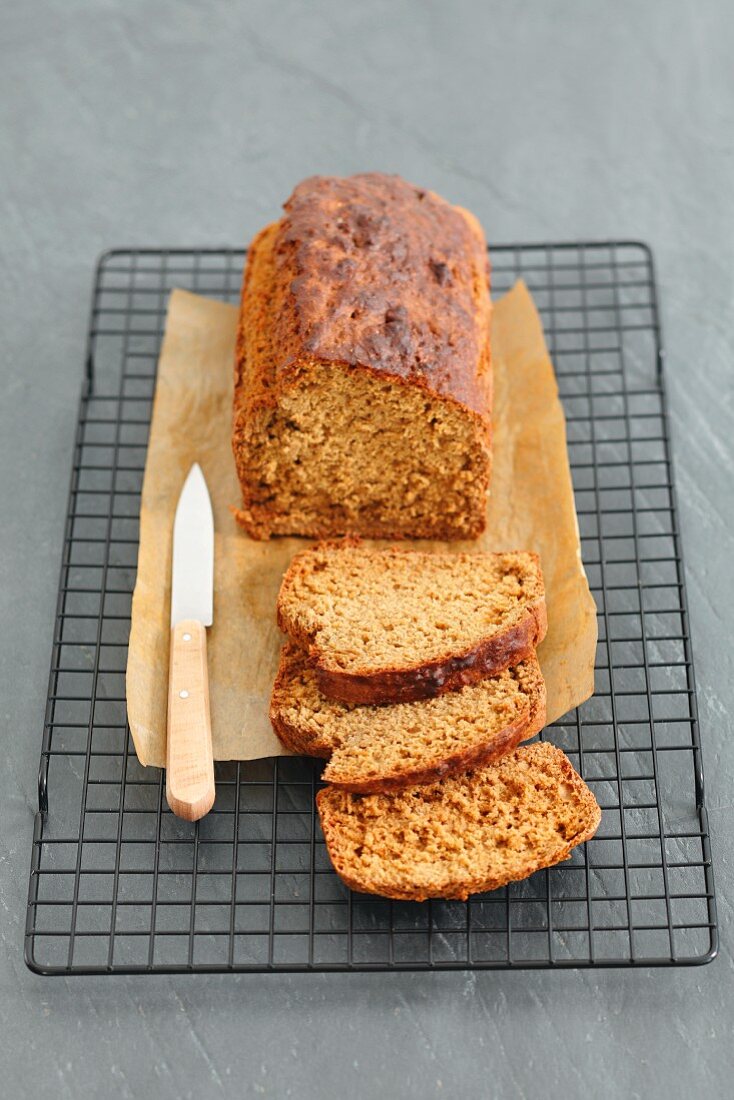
[{"x": 362, "y": 388}]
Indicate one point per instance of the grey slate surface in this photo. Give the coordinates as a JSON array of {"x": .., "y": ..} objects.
[{"x": 185, "y": 122}]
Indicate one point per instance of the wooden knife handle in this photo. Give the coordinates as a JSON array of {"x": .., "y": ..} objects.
[{"x": 189, "y": 762}]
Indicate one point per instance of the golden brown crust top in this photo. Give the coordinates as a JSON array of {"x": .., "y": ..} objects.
[{"x": 383, "y": 275}]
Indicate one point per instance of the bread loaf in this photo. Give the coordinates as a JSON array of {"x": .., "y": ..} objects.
[
  {"x": 382, "y": 748},
  {"x": 463, "y": 835},
  {"x": 388, "y": 626},
  {"x": 362, "y": 377}
]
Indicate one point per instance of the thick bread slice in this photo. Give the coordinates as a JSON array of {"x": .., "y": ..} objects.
[
  {"x": 395, "y": 625},
  {"x": 373, "y": 748},
  {"x": 466, "y": 833}
]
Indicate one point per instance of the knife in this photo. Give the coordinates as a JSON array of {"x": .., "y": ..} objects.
[{"x": 189, "y": 761}]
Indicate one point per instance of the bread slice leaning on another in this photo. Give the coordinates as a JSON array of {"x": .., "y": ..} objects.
[
  {"x": 463, "y": 835},
  {"x": 395, "y": 625},
  {"x": 372, "y": 748}
]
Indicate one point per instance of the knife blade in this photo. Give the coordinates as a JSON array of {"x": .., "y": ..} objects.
[{"x": 189, "y": 762}]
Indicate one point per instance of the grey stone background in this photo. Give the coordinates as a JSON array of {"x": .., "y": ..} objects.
[{"x": 186, "y": 122}]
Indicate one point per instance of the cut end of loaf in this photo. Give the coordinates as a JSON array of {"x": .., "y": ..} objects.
[
  {"x": 344, "y": 450},
  {"x": 466, "y": 834}
]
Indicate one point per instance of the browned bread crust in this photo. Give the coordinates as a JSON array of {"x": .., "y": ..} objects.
[
  {"x": 386, "y": 748},
  {"x": 404, "y": 260},
  {"x": 365, "y": 281},
  {"x": 486, "y": 652},
  {"x": 464, "y": 835}
]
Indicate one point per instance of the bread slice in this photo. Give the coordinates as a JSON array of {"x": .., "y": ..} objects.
[
  {"x": 373, "y": 748},
  {"x": 395, "y": 625},
  {"x": 462, "y": 835}
]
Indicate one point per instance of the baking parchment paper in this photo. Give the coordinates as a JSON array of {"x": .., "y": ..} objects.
[{"x": 531, "y": 507}]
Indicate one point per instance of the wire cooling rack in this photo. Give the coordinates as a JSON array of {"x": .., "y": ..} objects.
[{"x": 119, "y": 885}]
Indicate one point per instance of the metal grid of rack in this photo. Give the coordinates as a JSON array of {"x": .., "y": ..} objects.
[{"x": 119, "y": 885}]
